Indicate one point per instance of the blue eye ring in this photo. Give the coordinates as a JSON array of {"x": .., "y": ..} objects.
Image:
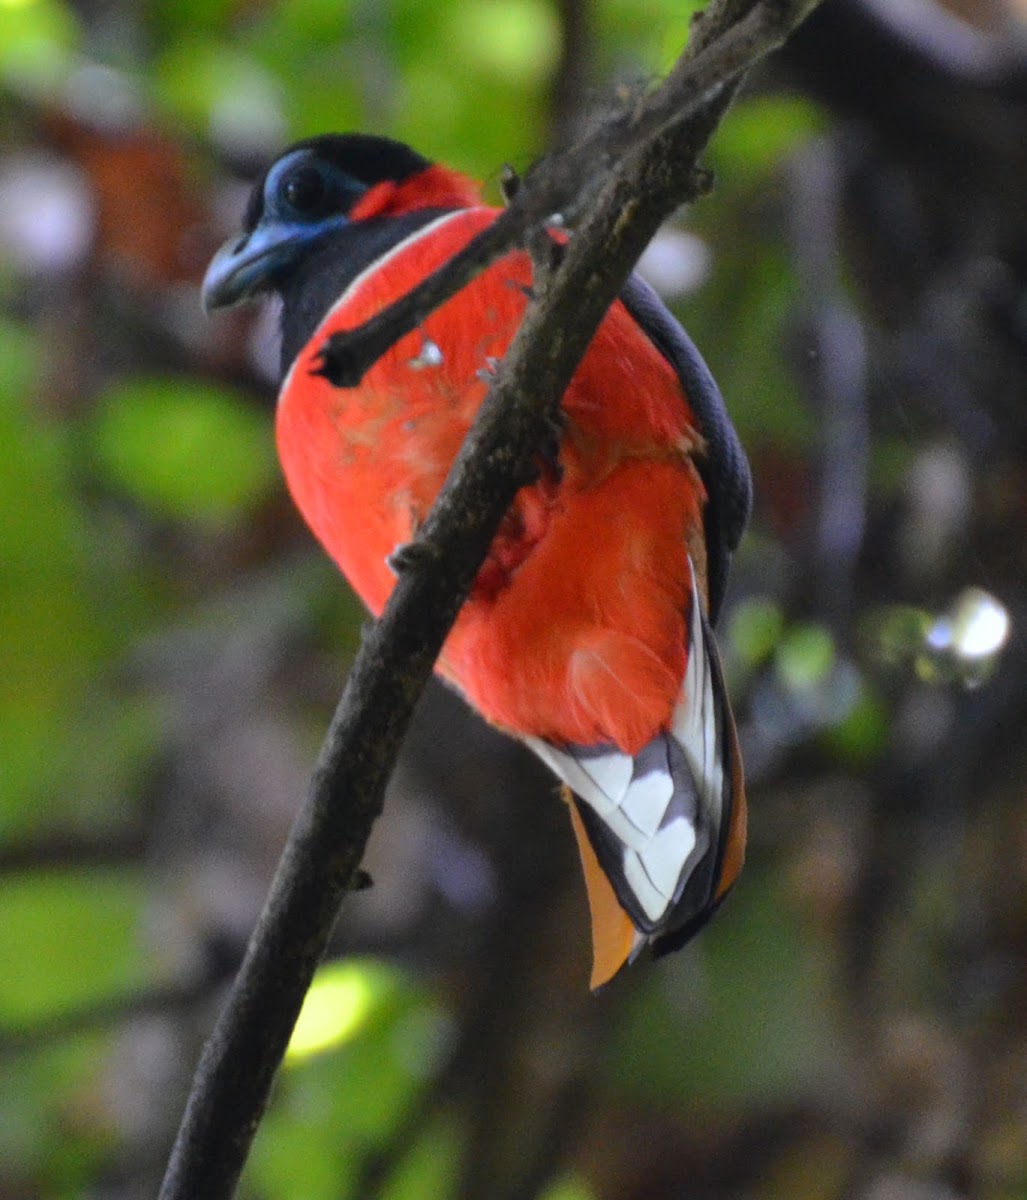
[{"x": 303, "y": 188}]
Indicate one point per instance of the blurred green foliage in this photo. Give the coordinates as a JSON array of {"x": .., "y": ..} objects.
[
  {"x": 37, "y": 42},
  {"x": 749, "y": 1021},
  {"x": 334, "y": 1105},
  {"x": 47, "y": 1132},
  {"x": 74, "y": 937},
  {"x": 58, "y": 639},
  {"x": 124, "y": 497},
  {"x": 183, "y": 450}
]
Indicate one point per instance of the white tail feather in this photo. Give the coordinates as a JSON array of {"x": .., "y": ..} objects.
[{"x": 661, "y": 810}]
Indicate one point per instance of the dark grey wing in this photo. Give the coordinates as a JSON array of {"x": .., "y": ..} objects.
[{"x": 725, "y": 470}]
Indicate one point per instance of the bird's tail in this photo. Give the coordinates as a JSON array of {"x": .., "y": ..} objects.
[{"x": 661, "y": 833}]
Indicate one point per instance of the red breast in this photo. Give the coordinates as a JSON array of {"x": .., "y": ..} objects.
[{"x": 576, "y": 627}]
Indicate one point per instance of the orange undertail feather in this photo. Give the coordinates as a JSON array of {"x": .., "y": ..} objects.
[{"x": 613, "y": 934}]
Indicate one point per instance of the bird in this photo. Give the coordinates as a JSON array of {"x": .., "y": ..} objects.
[{"x": 588, "y": 631}]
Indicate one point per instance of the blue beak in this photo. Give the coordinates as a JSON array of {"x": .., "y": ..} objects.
[
  {"x": 243, "y": 267},
  {"x": 248, "y": 265}
]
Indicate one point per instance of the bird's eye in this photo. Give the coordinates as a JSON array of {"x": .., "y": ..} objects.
[{"x": 305, "y": 190}]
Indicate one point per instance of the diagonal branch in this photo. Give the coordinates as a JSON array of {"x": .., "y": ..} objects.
[
  {"x": 634, "y": 175},
  {"x": 567, "y": 181}
]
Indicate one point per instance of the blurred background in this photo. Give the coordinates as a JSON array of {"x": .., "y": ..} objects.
[{"x": 854, "y": 1022}]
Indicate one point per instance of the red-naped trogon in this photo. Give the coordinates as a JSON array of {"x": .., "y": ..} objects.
[{"x": 588, "y": 631}]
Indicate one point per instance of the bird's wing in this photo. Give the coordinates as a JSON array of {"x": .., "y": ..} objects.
[{"x": 724, "y": 467}]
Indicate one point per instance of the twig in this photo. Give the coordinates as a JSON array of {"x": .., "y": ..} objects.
[
  {"x": 238, "y": 1064},
  {"x": 567, "y": 182},
  {"x": 573, "y": 71},
  {"x": 74, "y": 849}
]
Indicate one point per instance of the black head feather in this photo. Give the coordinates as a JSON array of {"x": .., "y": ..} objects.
[{"x": 362, "y": 156}]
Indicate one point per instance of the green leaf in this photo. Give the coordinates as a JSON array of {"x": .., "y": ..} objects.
[
  {"x": 516, "y": 40},
  {"x": 343, "y": 997},
  {"x": 184, "y": 449},
  {"x": 185, "y": 18},
  {"x": 332, "y": 1108},
  {"x": 755, "y": 629},
  {"x": 805, "y": 657},
  {"x": 67, "y": 938},
  {"x": 739, "y": 321},
  {"x": 42, "y": 1136},
  {"x": 314, "y": 22},
  {"x": 758, "y": 134},
  {"x": 214, "y": 87},
  {"x": 51, "y": 629},
  {"x": 37, "y": 41},
  {"x": 641, "y": 40},
  {"x": 571, "y": 1187},
  {"x": 862, "y": 734},
  {"x": 430, "y": 1168}
]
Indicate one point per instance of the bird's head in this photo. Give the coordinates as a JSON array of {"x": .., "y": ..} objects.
[{"x": 320, "y": 188}]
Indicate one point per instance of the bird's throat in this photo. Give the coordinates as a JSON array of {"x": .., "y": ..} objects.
[{"x": 318, "y": 280}]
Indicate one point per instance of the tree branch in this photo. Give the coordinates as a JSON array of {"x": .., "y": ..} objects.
[
  {"x": 566, "y": 182},
  {"x": 624, "y": 180}
]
